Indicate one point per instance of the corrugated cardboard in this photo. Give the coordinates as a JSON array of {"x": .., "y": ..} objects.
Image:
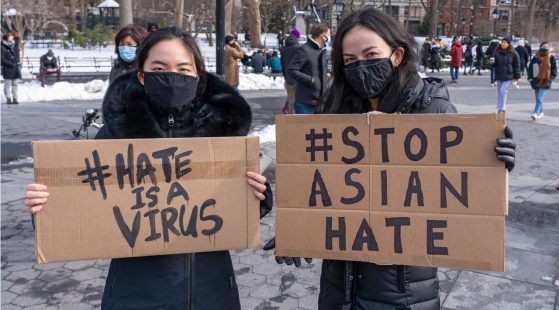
[
  {"x": 432, "y": 178},
  {"x": 80, "y": 220}
]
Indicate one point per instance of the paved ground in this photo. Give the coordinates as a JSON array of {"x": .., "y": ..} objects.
[{"x": 531, "y": 280}]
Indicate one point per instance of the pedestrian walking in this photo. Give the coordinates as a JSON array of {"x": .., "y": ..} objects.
[
  {"x": 10, "y": 68},
  {"x": 435, "y": 56},
  {"x": 490, "y": 53},
  {"x": 258, "y": 62},
  {"x": 17, "y": 52},
  {"x": 469, "y": 58},
  {"x": 127, "y": 40},
  {"x": 375, "y": 70},
  {"x": 280, "y": 39},
  {"x": 233, "y": 52},
  {"x": 479, "y": 57},
  {"x": 524, "y": 57},
  {"x": 426, "y": 54},
  {"x": 171, "y": 84},
  {"x": 542, "y": 70},
  {"x": 309, "y": 69},
  {"x": 287, "y": 52},
  {"x": 507, "y": 71},
  {"x": 528, "y": 48},
  {"x": 456, "y": 54}
]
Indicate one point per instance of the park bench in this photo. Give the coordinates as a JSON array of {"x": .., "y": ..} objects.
[
  {"x": 47, "y": 44},
  {"x": 66, "y": 64}
]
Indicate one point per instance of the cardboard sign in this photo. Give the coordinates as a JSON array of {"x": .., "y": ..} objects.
[
  {"x": 141, "y": 197},
  {"x": 422, "y": 190}
]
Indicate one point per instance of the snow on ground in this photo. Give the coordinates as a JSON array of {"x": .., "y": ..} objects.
[
  {"x": 33, "y": 92},
  {"x": 266, "y": 134}
]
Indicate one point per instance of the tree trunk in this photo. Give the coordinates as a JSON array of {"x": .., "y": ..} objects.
[
  {"x": 433, "y": 19},
  {"x": 228, "y": 16},
  {"x": 473, "y": 18},
  {"x": 530, "y": 26},
  {"x": 254, "y": 23},
  {"x": 180, "y": 9},
  {"x": 125, "y": 11},
  {"x": 83, "y": 15},
  {"x": 72, "y": 15},
  {"x": 459, "y": 27}
]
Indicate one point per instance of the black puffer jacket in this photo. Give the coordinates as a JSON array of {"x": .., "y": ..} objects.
[
  {"x": 507, "y": 65},
  {"x": 367, "y": 286},
  {"x": 182, "y": 281},
  {"x": 287, "y": 52},
  {"x": 10, "y": 69},
  {"x": 120, "y": 67},
  {"x": 309, "y": 68}
]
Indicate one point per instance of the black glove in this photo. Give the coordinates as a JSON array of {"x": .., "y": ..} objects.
[
  {"x": 284, "y": 259},
  {"x": 505, "y": 149}
]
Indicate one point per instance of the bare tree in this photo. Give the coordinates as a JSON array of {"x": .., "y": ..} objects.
[
  {"x": 125, "y": 13},
  {"x": 255, "y": 23},
  {"x": 83, "y": 15},
  {"x": 228, "y": 16},
  {"x": 531, "y": 13},
  {"x": 72, "y": 14}
]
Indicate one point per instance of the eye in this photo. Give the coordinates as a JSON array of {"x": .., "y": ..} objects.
[
  {"x": 349, "y": 60},
  {"x": 371, "y": 55},
  {"x": 157, "y": 69}
]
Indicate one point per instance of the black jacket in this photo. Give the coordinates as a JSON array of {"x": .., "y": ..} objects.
[
  {"x": 372, "y": 286},
  {"x": 534, "y": 68},
  {"x": 490, "y": 52},
  {"x": 309, "y": 68},
  {"x": 479, "y": 51},
  {"x": 434, "y": 52},
  {"x": 48, "y": 64},
  {"x": 182, "y": 281},
  {"x": 120, "y": 67},
  {"x": 10, "y": 69},
  {"x": 523, "y": 53},
  {"x": 287, "y": 52},
  {"x": 507, "y": 65}
]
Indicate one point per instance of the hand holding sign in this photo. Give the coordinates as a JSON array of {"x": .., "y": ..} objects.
[
  {"x": 284, "y": 259},
  {"x": 35, "y": 197}
]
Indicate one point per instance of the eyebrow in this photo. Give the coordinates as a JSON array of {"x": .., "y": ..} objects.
[
  {"x": 159, "y": 62},
  {"x": 363, "y": 51}
]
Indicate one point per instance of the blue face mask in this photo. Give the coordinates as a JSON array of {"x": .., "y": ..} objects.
[{"x": 127, "y": 53}]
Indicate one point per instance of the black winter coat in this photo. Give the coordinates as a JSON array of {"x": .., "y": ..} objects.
[
  {"x": 182, "y": 281},
  {"x": 377, "y": 287},
  {"x": 534, "y": 69},
  {"x": 308, "y": 68},
  {"x": 287, "y": 52},
  {"x": 507, "y": 65},
  {"x": 523, "y": 53},
  {"x": 479, "y": 51},
  {"x": 120, "y": 67},
  {"x": 48, "y": 64},
  {"x": 10, "y": 69}
]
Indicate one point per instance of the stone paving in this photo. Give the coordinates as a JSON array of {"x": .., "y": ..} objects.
[{"x": 531, "y": 280}]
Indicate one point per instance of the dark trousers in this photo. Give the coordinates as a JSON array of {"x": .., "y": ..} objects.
[{"x": 43, "y": 74}]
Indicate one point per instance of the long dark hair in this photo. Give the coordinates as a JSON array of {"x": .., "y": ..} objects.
[
  {"x": 183, "y": 37},
  {"x": 340, "y": 97}
]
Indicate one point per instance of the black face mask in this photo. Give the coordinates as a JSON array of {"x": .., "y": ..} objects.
[
  {"x": 369, "y": 78},
  {"x": 170, "y": 92}
]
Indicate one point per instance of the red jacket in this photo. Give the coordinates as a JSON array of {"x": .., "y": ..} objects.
[{"x": 456, "y": 53}]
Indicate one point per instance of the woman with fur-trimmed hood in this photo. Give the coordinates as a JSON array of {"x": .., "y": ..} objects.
[
  {"x": 542, "y": 70},
  {"x": 171, "y": 95}
]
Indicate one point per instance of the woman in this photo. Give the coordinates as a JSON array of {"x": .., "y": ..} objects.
[
  {"x": 374, "y": 70},
  {"x": 469, "y": 58},
  {"x": 233, "y": 52},
  {"x": 456, "y": 54},
  {"x": 127, "y": 41},
  {"x": 10, "y": 68},
  {"x": 275, "y": 63},
  {"x": 507, "y": 71},
  {"x": 171, "y": 96},
  {"x": 542, "y": 70}
]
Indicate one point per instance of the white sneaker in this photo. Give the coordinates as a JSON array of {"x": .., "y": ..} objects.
[
  {"x": 534, "y": 116},
  {"x": 540, "y": 115}
]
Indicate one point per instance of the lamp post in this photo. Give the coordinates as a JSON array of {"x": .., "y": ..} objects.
[
  {"x": 338, "y": 7},
  {"x": 463, "y": 23},
  {"x": 495, "y": 16}
]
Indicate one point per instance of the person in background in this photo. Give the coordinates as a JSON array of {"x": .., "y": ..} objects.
[
  {"x": 435, "y": 56},
  {"x": 127, "y": 40},
  {"x": 528, "y": 48},
  {"x": 469, "y": 58},
  {"x": 479, "y": 57},
  {"x": 374, "y": 70},
  {"x": 524, "y": 57},
  {"x": 542, "y": 70},
  {"x": 280, "y": 39},
  {"x": 233, "y": 52},
  {"x": 309, "y": 68},
  {"x": 49, "y": 65},
  {"x": 287, "y": 52},
  {"x": 17, "y": 51},
  {"x": 275, "y": 63},
  {"x": 425, "y": 54},
  {"x": 507, "y": 71},
  {"x": 10, "y": 68},
  {"x": 490, "y": 52},
  {"x": 247, "y": 38},
  {"x": 258, "y": 62},
  {"x": 171, "y": 84},
  {"x": 456, "y": 53}
]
